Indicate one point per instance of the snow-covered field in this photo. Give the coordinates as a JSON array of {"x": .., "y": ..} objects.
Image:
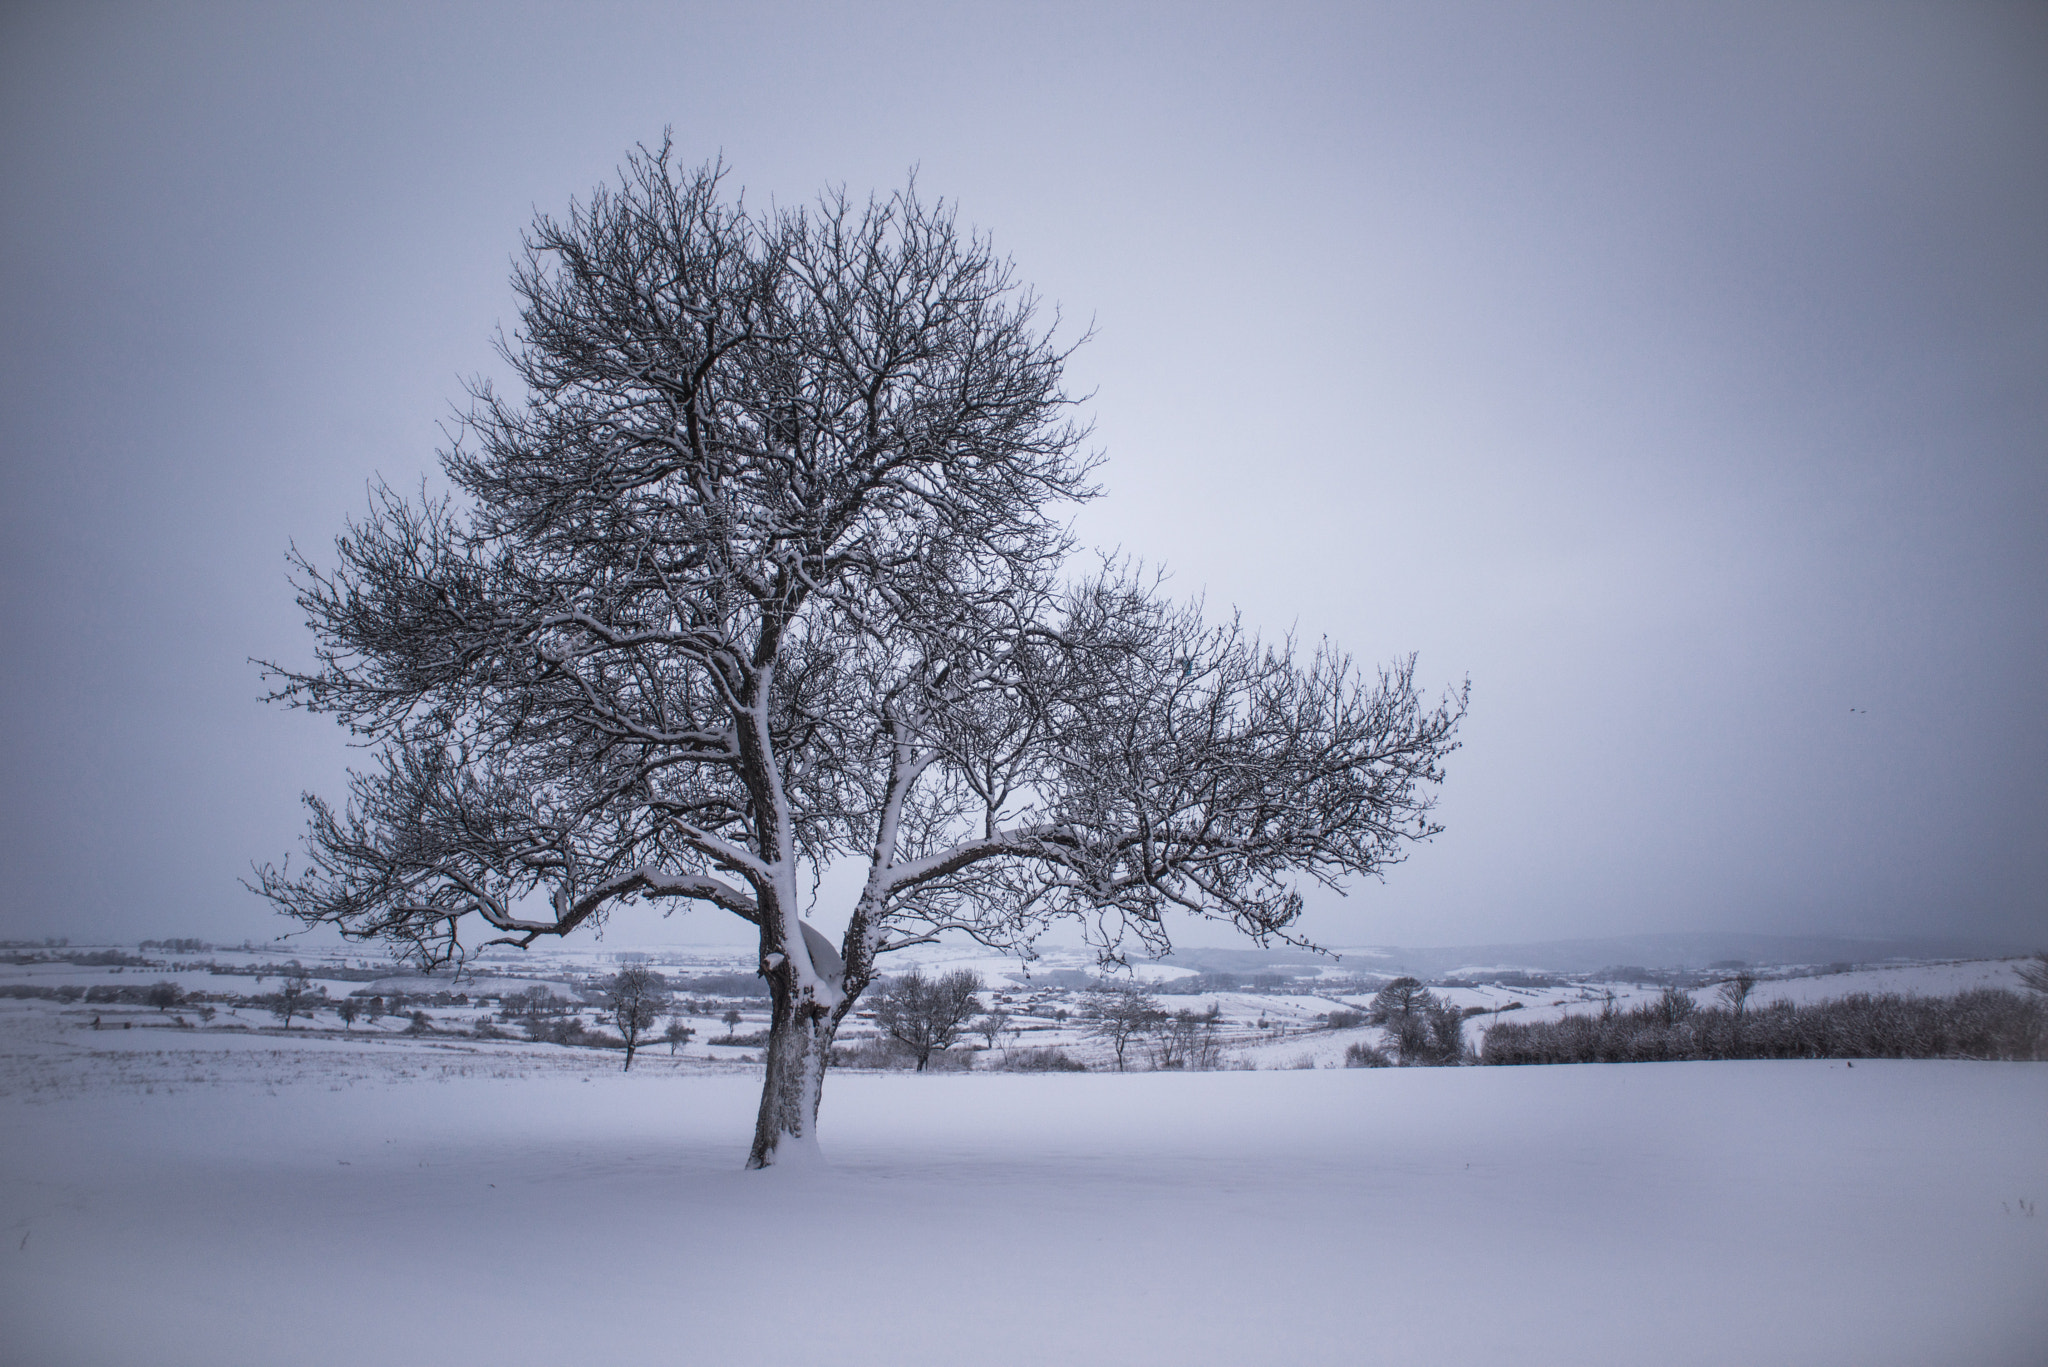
[{"x": 219, "y": 1198}]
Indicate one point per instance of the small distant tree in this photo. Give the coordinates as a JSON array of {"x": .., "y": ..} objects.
[
  {"x": 634, "y": 999},
  {"x": 348, "y": 1008},
  {"x": 1122, "y": 1012},
  {"x": 992, "y": 1026},
  {"x": 1446, "y": 1033},
  {"x": 677, "y": 1034},
  {"x": 2034, "y": 972},
  {"x": 535, "y": 1003},
  {"x": 1401, "y": 997},
  {"x": 420, "y": 1024},
  {"x": 1735, "y": 991},
  {"x": 293, "y": 996},
  {"x": 164, "y": 995},
  {"x": 1673, "y": 1005},
  {"x": 925, "y": 1015},
  {"x": 732, "y": 1021},
  {"x": 1188, "y": 1040},
  {"x": 1402, "y": 1009}
]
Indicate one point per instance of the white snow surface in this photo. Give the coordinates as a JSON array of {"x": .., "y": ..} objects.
[{"x": 171, "y": 1199}]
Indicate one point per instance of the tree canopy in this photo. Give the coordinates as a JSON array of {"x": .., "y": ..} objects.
[{"x": 762, "y": 570}]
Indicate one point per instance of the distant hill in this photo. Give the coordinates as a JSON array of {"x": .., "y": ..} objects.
[{"x": 1699, "y": 949}]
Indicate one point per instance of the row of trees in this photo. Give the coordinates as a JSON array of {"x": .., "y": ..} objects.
[{"x": 924, "y": 1016}]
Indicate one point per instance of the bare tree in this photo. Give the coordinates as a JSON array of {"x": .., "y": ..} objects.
[
  {"x": 1122, "y": 1012},
  {"x": 925, "y": 1015},
  {"x": 1735, "y": 992},
  {"x": 1188, "y": 1040},
  {"x": 993, "y": 1026},
  {"x": 634, "y": 998},
  {"x": 164, "y": 995},
  {"x": 765, "y": 570},
  {"x": 294, "y": 995},
  {"x": 677, "y": 1034},
  {"x": 732, "y": 1021},
  {"x": 348, "y": 1008},
  {"x": 2034, "y": 974}
]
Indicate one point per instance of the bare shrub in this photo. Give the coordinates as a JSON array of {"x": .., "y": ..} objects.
[
  {"x": 1047, "y": 1060},
  {"x": 873, "y": 1052},
  {"x": 551, "y": 1029},
  {"x": 1673, "y": 1005},
  {"x": 1446, "y": 1035},
  {"x": 1985, "y": 1023}
]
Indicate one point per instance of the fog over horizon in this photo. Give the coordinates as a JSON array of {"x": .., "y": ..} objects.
[{"x": 1678, "y": 374}]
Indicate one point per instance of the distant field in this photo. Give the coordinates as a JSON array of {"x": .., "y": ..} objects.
[{"x": 1281, "y": 1025}]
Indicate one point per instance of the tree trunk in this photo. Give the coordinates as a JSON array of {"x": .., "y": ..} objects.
[{"x": 799, "y": 1047}]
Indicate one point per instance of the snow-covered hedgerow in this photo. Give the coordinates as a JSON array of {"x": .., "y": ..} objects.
[{"x": 1987, "y": 1023}]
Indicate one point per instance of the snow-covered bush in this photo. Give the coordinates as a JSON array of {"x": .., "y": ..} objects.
[{"x": 1986, "y": 1023}]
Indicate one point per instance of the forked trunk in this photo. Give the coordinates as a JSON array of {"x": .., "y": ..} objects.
[{"x": 799, "y": 1047}]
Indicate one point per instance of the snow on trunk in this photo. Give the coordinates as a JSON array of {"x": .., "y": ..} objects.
[
  {"x": 802, "y": 1024},
  {"x": 799, "y": 1045}
]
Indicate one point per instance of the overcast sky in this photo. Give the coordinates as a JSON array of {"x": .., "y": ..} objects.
[{"x": 1679, "y": 373}]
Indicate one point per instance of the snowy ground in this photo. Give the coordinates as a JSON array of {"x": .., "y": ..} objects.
[{"x": 209, "y": 1197}]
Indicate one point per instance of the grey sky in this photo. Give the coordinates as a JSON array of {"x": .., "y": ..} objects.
[{"x": 1679, "y": 373}]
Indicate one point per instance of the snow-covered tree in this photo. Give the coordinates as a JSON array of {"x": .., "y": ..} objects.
[{"x": 764, "y": 571}]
